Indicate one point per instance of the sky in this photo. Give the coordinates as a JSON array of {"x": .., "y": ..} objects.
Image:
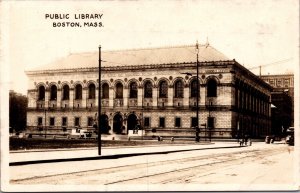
[{"x": 254, "y": 32}]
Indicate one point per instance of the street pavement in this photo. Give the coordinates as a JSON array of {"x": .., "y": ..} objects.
[{"x": 221, "y": 165}]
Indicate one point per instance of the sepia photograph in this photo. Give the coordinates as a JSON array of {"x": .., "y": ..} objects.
[{"x": 196, "y": 95}]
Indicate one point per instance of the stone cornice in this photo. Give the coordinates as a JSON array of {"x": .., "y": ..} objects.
[
  {"x": 249, "y": 75},
  {"x": 133, "y": 67},
  {"x": 145, "y": 109}
]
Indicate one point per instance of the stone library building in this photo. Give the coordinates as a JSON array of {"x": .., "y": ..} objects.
[{"x": 152, "y": 91}]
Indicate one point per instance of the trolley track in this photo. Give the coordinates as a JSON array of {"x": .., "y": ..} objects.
[
  {"x": 180, "y": 175},
  {"x": 167, "y": 171}
]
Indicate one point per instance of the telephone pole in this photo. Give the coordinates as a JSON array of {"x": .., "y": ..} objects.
[
  {"x": 197, "y": 104},
  {"x": 99, "y": 104}
]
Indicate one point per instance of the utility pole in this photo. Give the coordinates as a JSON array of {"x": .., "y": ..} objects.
[
  {"x": 197, "y": 104},
  {"x": 197, "y": 128},
  {"x": 99, "y": 104},
  {"x": 259, "y": 71}
]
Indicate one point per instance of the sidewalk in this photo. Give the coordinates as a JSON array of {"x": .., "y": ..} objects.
[{"x": 47, "y": 156}]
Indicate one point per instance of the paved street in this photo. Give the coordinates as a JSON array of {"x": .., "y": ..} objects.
[{"x": 219, "y": 166}]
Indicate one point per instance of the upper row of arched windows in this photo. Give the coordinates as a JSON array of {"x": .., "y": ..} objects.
[
  {"x": 133, "y": 90},
  {"x": 66, "y": 92}
]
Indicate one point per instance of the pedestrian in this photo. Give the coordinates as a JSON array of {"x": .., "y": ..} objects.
[
  {"x": 246, "y": 139},
  {"x": 237, "y": 138},
  {"x": 241, "y": 141},
  {"x": 250, "y": 141}
]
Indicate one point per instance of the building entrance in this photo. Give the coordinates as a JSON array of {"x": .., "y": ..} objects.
[
  {"x": 104, "y": 124},
  {"x": 117, "y": 124},
  {"x": 131, "y": 122}
]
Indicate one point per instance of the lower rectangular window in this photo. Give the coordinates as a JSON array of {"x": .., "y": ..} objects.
[
  {"x": 162, "y": 122},
  {"x": 40, "y": 121},
  {"x": 52, "y": 121},
  {"x": 211, "y": 122},
  {"x": 90, "y": 121},
  {"x": 194, "y": 121},
  {"x": 177, "y": 122},
  {"x": 147, "y": 122},
  {"x": 77, "y": 122},
  {"x": 64, "y": 121}
]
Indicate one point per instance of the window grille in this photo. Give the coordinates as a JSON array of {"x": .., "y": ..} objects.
[
  {"x": 194, "y": 88},
  {"x": 163, "y": 89},
  {"x": 78, "y": 91},
  {"x": 105, "y": 91},
  {"x": 53, "y": 92},
  {"x": 66, "y": 92},
  {"x": 41, "y": 93},
  {"x": 133, "y": 90},
  {"x": 179, "y": 89},
  {"x": 148, "y": 90},
  {"x": 92, "y": 91},
  {"x": 119, "y": 91}
]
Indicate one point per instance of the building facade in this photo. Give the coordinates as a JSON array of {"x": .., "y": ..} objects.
[
  {"x": 152, "y": 89},
  {"x": 283, "y": 101}
]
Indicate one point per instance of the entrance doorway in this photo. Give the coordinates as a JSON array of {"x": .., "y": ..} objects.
[
  {"x": 117, "y": 124},
  {"x": 104, "y": 124},
  {"x": 131, "y": 122}
]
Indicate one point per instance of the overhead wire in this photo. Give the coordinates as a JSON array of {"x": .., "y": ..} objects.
[{"x": 273, "y": 63}]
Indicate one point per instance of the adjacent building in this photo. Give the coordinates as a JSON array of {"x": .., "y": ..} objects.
[
  {"x": 282, "y": 96},
  {"x": 153, "y": 89},
  {"x": 281, "y": 83}
]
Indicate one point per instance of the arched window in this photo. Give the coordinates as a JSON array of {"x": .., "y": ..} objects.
[
  {"x": 119, "y": 91},
  {"x": 105, "y": 91},
  {"x": 178, "y": 89},
  {"x": 148, "y": 90},
  {"x": 194, "y": 88},
  {"x": 53, "y": 92},
  {"x": 92, "y": 91},
  {"x": 78, "y": 92},
  {"x": 211, "y": 88},
  {"x": 163, "y": 89},
  {"x": 41, "y": 93},
  {"x": 133, "y": 90},
  {"x": 66, "y": 92}
]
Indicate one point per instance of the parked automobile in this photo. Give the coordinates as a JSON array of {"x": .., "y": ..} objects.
[
  {"x": 89, "y": 135},
  {"x": 78, "y": 133}
]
